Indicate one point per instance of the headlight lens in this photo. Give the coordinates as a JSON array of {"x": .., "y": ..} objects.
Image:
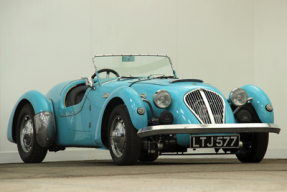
[
  {"x": 238, "y": 97},
  {"x": 162, "y": 99}
]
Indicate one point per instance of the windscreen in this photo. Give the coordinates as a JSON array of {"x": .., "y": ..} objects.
[{"x": 134, "y": 65}]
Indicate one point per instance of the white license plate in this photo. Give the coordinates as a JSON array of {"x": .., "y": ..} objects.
[{"x": 222, "y": 141}]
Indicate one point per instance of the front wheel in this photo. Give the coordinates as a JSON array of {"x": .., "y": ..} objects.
[
  {"x": 124, "y": 143},
  {"x": 28, "y": 148},
  {"x": 255, "y": 148}
]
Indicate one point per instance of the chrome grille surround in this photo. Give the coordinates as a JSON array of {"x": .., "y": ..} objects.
[{"x": 207, "y": 106}]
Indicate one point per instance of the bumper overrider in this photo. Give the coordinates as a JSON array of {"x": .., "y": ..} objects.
[{"x": 209, "y": 128}]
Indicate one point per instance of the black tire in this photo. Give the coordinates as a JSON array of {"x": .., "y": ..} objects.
[
  {"x": 255, "y": 152},
  {"x": 28, "y": 148},
  {"x": 145, "y": 157},
  {"x": 124, "y": 149}
]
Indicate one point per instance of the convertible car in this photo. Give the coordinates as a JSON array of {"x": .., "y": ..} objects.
[{"x": 136, "y": 107}]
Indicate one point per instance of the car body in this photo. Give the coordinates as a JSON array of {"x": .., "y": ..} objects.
[{"x": 142, "y": 112}]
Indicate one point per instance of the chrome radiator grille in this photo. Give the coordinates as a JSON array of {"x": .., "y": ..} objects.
[{"x": 206, "y": 105}]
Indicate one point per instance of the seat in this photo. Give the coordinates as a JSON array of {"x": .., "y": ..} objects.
[{"x": 75, "y": 95}]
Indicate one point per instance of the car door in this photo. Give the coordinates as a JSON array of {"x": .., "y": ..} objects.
[{"x": 75, "y": 116}]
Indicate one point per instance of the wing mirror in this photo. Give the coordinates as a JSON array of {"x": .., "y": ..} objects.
[{"x": 89, "y": 82}]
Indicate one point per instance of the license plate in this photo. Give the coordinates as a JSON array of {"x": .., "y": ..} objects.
[{"x": 222, "y": 141}]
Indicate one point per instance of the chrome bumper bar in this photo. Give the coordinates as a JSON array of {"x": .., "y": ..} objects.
[{"x": 209, "y": 128}]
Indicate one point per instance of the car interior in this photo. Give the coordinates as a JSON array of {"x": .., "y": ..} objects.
[{"x": 75, "y": 95}]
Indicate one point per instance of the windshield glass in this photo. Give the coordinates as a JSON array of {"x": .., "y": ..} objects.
[{"x": 133, "y": 66}]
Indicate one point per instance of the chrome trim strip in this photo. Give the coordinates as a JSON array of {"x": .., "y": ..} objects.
[
  {"x": 208, "y": 128},
  {"x": 207, "y": 106},
  {"x": 45, "y": 126},
  {"x": 109, "y": 81}
]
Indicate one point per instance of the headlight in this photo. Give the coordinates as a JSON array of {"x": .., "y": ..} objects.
[
  {"x": 162, "y": 99},
  {"x": 238, "y": 96}
]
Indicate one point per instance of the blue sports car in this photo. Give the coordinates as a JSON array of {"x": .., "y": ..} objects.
[{"x": 136, "y": 107}]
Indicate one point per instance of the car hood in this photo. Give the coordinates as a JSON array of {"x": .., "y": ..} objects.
[{"x": 177, "y": 88}]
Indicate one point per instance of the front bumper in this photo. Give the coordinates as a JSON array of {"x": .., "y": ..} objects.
[{"x": 209, "y": 128}]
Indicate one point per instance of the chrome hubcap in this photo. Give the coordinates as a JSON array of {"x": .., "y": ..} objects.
[
  {"x": 26, "y": 134},
  {"x": 118, "y": 136}
]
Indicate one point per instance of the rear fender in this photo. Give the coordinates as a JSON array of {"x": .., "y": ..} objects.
[
  {"x": 259, "y": 102},
  {"x": 44, "y": 119}
]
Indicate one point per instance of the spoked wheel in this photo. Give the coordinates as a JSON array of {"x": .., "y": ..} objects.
[
  {"x": 255, "y": 149},
  {"x": 118, "y": 136},
  {"x": 29, "y": 150},
  {"x": 124, "y": 144}
]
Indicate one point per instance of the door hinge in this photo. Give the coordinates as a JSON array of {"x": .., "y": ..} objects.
[
  {"x": 90, "y": 107},
  {"x": 90, "y": 125}
]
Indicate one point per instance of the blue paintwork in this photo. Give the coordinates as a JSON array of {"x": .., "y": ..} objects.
[
  {"x": 80, "y": 125},
  {"x": 182, "y": 115},
  {"x": 77, "y": 117},
  {"x": 72, "y": 122},
  {"x": 259, "y": 101},
  {"x": 39, "y": 102},
  {"x": 130, "y": 98}
]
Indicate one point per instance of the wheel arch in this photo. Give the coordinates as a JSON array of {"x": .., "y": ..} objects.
[
  {"x": 39, "y": 104},
  {"x": 16, "y": 115},
  {"x": 122, "y": 95},
  {"x": 105, "y": 120},
  {"x": 259, "y": 102}
]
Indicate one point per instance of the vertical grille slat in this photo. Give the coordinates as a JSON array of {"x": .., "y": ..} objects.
[
  {"x": 215, "y": 110},
  {"x": 195, "y": 102},
  {"x": 198, "y": 104}
]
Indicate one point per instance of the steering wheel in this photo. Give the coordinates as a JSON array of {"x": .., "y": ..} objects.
[{"x": 108, "y": 71}]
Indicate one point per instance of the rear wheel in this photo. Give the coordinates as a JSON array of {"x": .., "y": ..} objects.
[
  {"x": 254, "y": 148},
  {"x": 28, "y": 148},
  {"x": 124, "y": 143}
]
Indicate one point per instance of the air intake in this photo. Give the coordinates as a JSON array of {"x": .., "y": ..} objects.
[{"x": 206, "y": 105}]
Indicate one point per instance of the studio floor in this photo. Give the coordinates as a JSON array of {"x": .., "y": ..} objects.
[{"x": 161, "y": 175}]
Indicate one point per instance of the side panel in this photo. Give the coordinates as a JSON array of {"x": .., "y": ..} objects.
[
  {"x": 73, "y": 122},
  {"x": 74, "y": 130},
  {"x": 39, "y": 102},
  {"x": 132, "y": 100},
  {"x": 259, "y": 102}
]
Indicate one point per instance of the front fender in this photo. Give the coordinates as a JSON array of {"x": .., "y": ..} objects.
[
  {"x": 132, "y": 101},
  {"x": 39, "y": 103},
  {"x": 259, "y": 102}
]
